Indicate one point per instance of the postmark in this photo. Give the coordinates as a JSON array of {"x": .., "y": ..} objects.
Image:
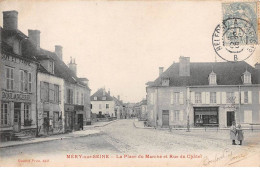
[{"x": 234, "y": 39}]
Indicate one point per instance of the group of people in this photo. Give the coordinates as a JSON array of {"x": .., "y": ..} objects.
[{"x": 236, "y": 133}]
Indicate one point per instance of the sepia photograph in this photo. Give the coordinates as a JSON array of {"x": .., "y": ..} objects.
[{"x": 128, "y": 83}]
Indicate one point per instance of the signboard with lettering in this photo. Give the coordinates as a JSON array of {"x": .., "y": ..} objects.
[
  {"x": 15, "y": 59},
  {"x": 16, "y": 96}
]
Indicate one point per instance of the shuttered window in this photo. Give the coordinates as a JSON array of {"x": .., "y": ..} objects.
[
  {"x": 4, "y": 114},
  {"x": 9, "y": 78},
  {"x": 197, "y": 97}
]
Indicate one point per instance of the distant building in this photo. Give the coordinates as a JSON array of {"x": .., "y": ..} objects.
[
  {"x": 205, "y": 94},
  {"x": 119, "y": 108},
  {"x": 141, "y": 109},
  {"x": 102, "y": 103}
]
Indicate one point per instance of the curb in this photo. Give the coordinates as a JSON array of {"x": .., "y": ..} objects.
[
  {"x": 64, "y": 137},
  {"x": 101, "y": 125}
]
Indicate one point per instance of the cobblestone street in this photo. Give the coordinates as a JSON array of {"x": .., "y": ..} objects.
[{"x": 122, "y": 138}]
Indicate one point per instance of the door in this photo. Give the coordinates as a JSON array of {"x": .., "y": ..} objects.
[
  {"x": 165, "y": 118},
  {"x": 17, "y": 117},
  {"x": 230, "y": 118},
  {"x": 80, "y": 121},
  {"x": 46, "y": 122}
]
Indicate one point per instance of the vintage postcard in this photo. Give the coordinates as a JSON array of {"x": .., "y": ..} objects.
[{"x": 127, "y": 83}]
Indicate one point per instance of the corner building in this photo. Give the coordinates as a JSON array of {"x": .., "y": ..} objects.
[{"x": 205, "y": 94}]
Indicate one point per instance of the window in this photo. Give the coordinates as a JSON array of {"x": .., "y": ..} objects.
[
  {"x": 90, "y": 106},
  {"x": 26, "y": 112},
  {"x": 82, "y": 99},
  {"x": 104, "y": 98},
  {"x": 176, "y": 115},
  {"x": 100, "y": 106},
  {"x": 25, "y": 81},
  {"x": 51, "y": 67},
  {"x": 69, "y": 96},
  {"x": 197, "y": 97},
  {"x": 246, "y": 97},
  {"x": 230, "y": 97},
  {"x": 30, "y": 82},
  {"x": 21, "y": 80},
  {"x": 44, "y": 92},
  {"x": 56, "y": 94},
  {"x": 9, "y": 78},
  {"x": 77, "y": 97},
  {"x": 247, "y": 78},
  {"x": 176, "y": 97},
  {"x": 212, "y": 78},
  {"x": 95, "y": 98},
  {"x": 4, "y": 114},
  {"x": 213, "y": 97},
  {"x": 107, "y": 106}
]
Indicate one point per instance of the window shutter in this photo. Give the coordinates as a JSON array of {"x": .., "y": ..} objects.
[
  {"x": 203, "y": 96},
  {"x": 242, "y": 97},
  {"x": 41, "y": 90},
  {"x": 236, "y": 97},
  {"x": 59, "y": 95},
  {"x": 172, "y": 116},
  {"x": 249, "y": 97},
  {"x": 172, "y": 97},
  {"x": 181, "y": 98},
  {"x": 218, "y": 97},
  {"x": 181, "y": 115},
  {"x": 224, "y": 97},
  {"x": 192, "y": 97},
  {"x": 207, "y": 97}
]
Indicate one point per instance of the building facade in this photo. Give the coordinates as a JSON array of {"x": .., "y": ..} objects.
[
  {"x": 102, "y": 103},
  {"x": 18, "y": 82},
  {"x": 204, "y": 94}
]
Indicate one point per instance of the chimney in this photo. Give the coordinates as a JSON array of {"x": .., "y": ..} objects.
[
  {"x": 160, "y": 70},
  {"x": 257, "y": 66},
  {"x": 34, "y": 37},
  {"x": 73, "y": 66},
  {"x": 10, "y": 19},
  {"x": 118, "y": 97},
  {"x": 58, "y": 51},
  {"x": 184, "y": 66}
]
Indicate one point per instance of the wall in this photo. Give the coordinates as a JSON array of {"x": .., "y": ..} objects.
[{"x": 95, "y": 107}]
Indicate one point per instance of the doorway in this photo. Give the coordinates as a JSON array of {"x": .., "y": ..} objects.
[
  {"x": 46, "y": 122},
  {"x": 230, "y": 117},
  {"x": 80, "y": 121},
  {"x": 17, "y": 117},
  {"x": 165, "y": 118}
]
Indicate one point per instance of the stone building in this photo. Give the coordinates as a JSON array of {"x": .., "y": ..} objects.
[
  {"x": 119, "y": 107},
  {"x": 204, "y": 94},
  {"x": 102, "y": 103},
  {"x": 18, "y": 82},
  {"x": 141, "y": 109}
]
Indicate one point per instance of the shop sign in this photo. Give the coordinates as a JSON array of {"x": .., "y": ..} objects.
[
  {"x": 15, "y": 59},
  {"x": 69, "y": 108},
  {"x": 15, "y": 96}
]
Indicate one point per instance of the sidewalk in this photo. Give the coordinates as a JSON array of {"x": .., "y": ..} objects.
[
  {"x": 99, "y": 124},
  {"x": 75, "y": 134}
]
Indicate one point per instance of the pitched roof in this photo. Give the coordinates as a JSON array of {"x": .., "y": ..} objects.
[
  {"x": 228, "y": 73},
  {"x": 118, "y": 102},
  {"x": 60, "y": 68},
  {"x": 99, "y": 94}
]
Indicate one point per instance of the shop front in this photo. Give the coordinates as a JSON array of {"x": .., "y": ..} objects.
[
  {"x": 206, "y": 116},
  {"x": 16, "y": 114}
]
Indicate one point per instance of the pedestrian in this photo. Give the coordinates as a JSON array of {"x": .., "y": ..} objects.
[
  {"x": 240, "y": 134},
  {"x": 233, "y": 133}
]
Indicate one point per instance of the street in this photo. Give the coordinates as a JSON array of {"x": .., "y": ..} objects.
[{"x": 123, "y": 139}]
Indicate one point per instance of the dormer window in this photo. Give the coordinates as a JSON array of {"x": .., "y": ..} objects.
[
  {"x": 51, "y": 67},
  {"x": 95, "y": 98},
  {"x": 104, "y": 98},
  {"x": 212, "y": 78},
  {"x": 165, "y": 81},
  {"x": 247, "y": 77}
]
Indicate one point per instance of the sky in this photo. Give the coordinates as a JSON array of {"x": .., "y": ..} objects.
[{"x": 120, "y": 45}]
